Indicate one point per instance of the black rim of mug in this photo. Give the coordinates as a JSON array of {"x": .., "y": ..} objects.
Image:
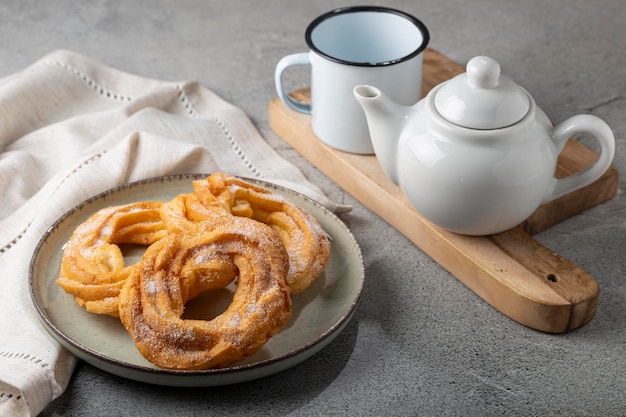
[{"x": 352, "y": 9}]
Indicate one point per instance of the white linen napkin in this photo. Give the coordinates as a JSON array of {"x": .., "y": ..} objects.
[{"x": 71, "y": 128}]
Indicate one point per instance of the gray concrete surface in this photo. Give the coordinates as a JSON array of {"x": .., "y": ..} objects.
[{"x": 421, "y": 343}]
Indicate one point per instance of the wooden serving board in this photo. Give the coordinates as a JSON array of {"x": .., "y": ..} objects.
[{"x": 511, "y": 271}]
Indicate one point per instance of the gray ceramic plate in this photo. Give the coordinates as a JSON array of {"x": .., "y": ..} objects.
[{"x": 319, "y": 314}]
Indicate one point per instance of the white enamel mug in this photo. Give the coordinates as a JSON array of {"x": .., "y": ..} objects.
[{"x": 351, "y": 46}]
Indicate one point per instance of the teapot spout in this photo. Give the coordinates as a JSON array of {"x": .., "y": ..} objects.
[{"x": 386, "y": 120}]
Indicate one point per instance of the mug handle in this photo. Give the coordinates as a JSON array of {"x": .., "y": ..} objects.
[
  {"x": 602, "y": 133},
  {"x": 301, "y": 58}
]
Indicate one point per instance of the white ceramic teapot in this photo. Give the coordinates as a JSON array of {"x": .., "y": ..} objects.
[{"x": 476, "y": 156}]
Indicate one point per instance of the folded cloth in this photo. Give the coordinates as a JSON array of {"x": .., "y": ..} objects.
[{"x": 71, "y": 128}]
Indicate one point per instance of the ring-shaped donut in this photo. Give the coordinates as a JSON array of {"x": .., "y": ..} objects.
[
  {"x": 93, "y": 269},
  {"x": 178, "y": 267},
  {"x": 307, "y": 244}
]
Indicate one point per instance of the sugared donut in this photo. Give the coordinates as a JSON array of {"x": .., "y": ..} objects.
[
  {"x": 180, "y": 266},
  {"x": 307, "y": 244},
  {"x": 93, "y": 269}
]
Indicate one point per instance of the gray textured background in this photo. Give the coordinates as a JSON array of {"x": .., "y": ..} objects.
[{"x": 421, "y": 343}]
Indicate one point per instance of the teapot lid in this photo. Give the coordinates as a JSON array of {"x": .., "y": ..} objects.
[{"x": 481, "y": 98}]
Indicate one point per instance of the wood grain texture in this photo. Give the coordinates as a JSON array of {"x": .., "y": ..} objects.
[{"x": 511, "y": 271}]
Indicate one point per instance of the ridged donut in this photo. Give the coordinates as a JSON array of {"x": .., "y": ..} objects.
[
  {"x": 180, "y": 266},
  {"x": 93, "y": 269},
  {"x": 306, "y": 242}
]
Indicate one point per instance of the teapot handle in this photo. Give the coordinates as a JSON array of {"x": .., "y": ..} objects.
[{"x": 595, "y": 126}]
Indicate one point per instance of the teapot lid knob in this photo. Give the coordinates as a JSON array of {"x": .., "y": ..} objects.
[
  {"x": 483, "y": 72},
  {"x": 482, "y": 98}
]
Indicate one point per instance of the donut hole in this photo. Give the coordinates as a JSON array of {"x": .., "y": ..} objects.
[
  {"x": 209, "y": 304},
  {"x": 132, "y": 252}
]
